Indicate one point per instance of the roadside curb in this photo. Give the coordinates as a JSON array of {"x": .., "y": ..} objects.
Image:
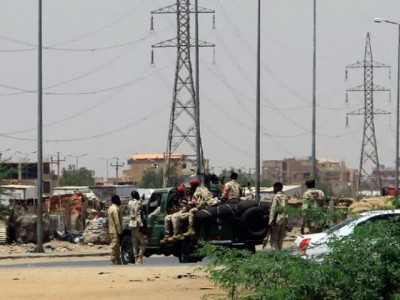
[{"x": 51, "y": 255}]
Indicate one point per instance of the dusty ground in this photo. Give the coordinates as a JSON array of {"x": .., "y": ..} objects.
[
  {"x": 182, "y": 282},
  {"x": 110, "y": 282}
]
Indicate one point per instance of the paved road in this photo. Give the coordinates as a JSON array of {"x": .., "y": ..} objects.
[{"x": 155, "y": 261}]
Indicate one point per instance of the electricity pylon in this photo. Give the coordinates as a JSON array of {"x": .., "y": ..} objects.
[
  {"x": 369, "y": 148},
  {"x": 182, "y": 133}
]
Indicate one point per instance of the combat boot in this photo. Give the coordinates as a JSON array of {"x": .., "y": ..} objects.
[
  {"x": 171, "y": 239},
  {"x": 139, "y": 260},
  {"x": 190, "y": 232},
  {"x": 179, "y": 237},
  {"x": 165, "y": 239}
]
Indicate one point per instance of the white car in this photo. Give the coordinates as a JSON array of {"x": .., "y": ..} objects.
[{"x": 313, "y": 245}]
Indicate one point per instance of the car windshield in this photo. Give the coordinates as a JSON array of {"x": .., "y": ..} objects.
[{"x": 342, "y": 224}]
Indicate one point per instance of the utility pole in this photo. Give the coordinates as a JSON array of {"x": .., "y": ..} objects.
[
  {"x": 184, "y": 127},
  {"x": 116, "y": 165},
  {"x": 314, "y": 96},
  {"x": 369, "y": 148},
  {"x": 57, "y": 162},
  {"x": 39, "y": 183}
]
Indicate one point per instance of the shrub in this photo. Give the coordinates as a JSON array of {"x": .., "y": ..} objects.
[{"x": 365, "y": 265}]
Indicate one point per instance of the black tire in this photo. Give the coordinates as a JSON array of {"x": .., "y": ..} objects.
[
  {"x": 186, "y": 252},
  {"x": 127, "y": 256},
  {"x": 254, "y": 223}
]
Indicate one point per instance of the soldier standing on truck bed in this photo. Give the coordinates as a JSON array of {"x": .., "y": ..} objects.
[
  {"x": 201, "y": 198},
  {"x": 232, "y": 190},
  {"x": 115, "y": 229},
  {"x": 312, "y": 197},
  {"x": 136, "y": 224}
]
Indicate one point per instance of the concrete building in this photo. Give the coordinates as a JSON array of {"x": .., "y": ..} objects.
[
  {"x": 139, "y": 163},
  {"x": 294, "y": 171}
]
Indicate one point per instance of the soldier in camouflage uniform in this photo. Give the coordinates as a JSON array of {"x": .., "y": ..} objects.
[
  {"x": 278, "y": 221},
  {"x": 232, "y": 190},
  {"x": 201, "y": 199},
  {"x": 135, "y": 224},
  {"x": 312, "y": 198},
  {"x": 169, "y": 221}
]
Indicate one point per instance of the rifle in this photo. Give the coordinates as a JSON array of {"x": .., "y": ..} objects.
[{"x": 271, "y": 226}]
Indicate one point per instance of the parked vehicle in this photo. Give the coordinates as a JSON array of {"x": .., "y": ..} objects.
[
  {"x": 241, "y": 225},
  {"x": 314, "y": 245}
]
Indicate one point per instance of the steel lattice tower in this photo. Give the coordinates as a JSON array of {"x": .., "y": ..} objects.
[
  {"x": 182, "y": 133},
  {"x": 369, "y": 148}
]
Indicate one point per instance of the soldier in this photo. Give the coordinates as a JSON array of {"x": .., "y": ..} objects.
[
  {"x": 312, "y": 197},
  {"x": 201, "y": 198},
  {"x": 174, "y": 223},
  {"x": 232, "y": 190},
  {"x": 278, "y": 221},
  {"x": 115, "y": 228},
  {"x": 136, "y": 224},
  {"x": 169, "y": 226}
]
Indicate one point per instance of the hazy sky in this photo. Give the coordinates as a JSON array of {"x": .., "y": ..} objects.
[{"x": 102, "y": 96}]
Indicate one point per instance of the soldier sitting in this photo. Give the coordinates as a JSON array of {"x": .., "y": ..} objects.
[
  {"x": 170, "y": 220},
  {"x": 201, "y": 198}
]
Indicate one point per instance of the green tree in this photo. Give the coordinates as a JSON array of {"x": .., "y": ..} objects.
[
  {"x": 80, "y": 177},
  {"x": 151, "y": 179}
]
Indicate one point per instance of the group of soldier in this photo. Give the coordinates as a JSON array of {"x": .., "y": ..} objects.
[
  {"x": 185, "y": 207},
  {"x": 278, "y": 220},
  {"x": 188, "y": 202}
]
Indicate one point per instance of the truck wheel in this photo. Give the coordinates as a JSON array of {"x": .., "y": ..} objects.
[
  {"x": 254, "y": 223},
  {"x": 126, "y": 250},
  {"x": 186, "y": 250}
]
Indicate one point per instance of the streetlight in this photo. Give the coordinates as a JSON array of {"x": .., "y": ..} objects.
[
  {"x": 107, "y": 159},
  {"x": 380, "y": 20},
  {"x": 77, "y": 157}
]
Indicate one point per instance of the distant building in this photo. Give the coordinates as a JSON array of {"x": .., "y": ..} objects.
[
  {"x": 139, "y": 163},
  {"x": 25, "y": 173},
  {"x": 294, "y": 171}
]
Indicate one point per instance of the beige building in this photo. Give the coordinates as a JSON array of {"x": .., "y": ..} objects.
[
  {"x": 140, "y": 162},
  {"x": 294, "y": 171}
]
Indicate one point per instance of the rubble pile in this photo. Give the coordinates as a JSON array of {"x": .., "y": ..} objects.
[
  {"x": 96, "y": 232},
  {"x": 368, "y": 204}
]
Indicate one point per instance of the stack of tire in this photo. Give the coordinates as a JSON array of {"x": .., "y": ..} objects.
[{"x": 251, "y": 217}]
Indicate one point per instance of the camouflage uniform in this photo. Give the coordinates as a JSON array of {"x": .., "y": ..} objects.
[
  {"x": 169, "y": 223},
  {"x": 313, "y": 198},
  {"x": 231, "y": 190},
  {"x": 202, "y": 198},
  {"x": 135, "y": 223},
  {"x": 114, "y": 230},
  {"x": 278, "y": 221}
]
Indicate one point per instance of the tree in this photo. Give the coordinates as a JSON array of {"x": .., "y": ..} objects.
[
  {"x": 80, "y": 177},
  {"x": 151, "y": 179}
]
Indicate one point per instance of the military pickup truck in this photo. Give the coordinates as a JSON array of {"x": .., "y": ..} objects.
[{"x": 237, "y": 225}]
